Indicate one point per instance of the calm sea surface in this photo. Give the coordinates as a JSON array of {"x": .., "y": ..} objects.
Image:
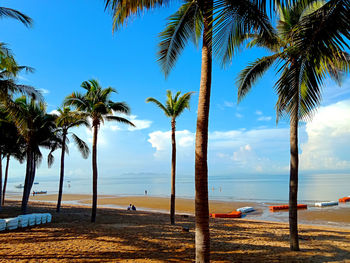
[{"x": 261, "y": 188}]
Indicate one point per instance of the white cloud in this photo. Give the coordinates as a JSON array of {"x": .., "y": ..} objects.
[
  {"x": 328, "y": 139},
  {"x": 229, "y": 104},
  {"x": 162, "y": 140},
  {"x": 238, "y": 115},
  {"x": 44, "y": 91},
  {"x": 140, "y": 124},
  {"x": 264, "y": 118},
  {"x": 258, "y": 112}
]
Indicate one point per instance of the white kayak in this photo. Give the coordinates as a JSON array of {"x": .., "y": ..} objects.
[
  {"x": 246, "y": 209},
  {"x": 326, "y": 203}
]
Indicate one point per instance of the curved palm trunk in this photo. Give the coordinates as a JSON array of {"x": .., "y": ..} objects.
[
  {"x": 201, "y": 167},
  {"x": 60, "y": 190},
  {"x": 94, "y": 174},
  {"x": 28, "y": 183},
  {"x": 293, "y": 181},
  {"x": 173, "y": 172},
  {"x": 5, "y": 181}
]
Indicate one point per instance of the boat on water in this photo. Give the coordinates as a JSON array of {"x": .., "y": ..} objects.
[
  {"x": 19, "y": 186},
  {"x": 326, "y": 203},
  {"x": 36, "y": 183}
]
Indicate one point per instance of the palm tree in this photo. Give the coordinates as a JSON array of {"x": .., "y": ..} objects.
[
  {"x": 194, "y": 20},
  {"x": 173, "y": 108},
  {"x": 38, "y": 130},
  {"x": 66, "y": 120},
  {"x": 97, "y": 105},
  {"x": 12, "y": 145},
  {"x": 308, "y": 46},
  {"x": 12, "y": 13}
]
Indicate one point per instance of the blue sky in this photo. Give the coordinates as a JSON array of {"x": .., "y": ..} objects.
[{"x": 72, "y": 42}]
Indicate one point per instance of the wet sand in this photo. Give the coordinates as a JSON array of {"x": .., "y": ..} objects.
[
  {"x": 139, "y": 236},
  {"x": 338, "y": 216}
]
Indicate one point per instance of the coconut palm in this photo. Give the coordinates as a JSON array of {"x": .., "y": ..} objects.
[
  {"x": 38, "y": 130},
  {"x": 12, "y": 13},
  {"x": 9, "y": 70},
  {"x": 192, "y": 21},
  {"x": 97, "y": 105},
  {"x": 308, "y": 46},
  {"x": 11, "y": 144},
  {"x": 66, "y": 120},
  {"x": 173, "y": 108}
]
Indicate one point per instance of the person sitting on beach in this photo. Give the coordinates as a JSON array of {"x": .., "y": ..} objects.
[
  {"x": 133, "y": 208},
  {"x": 129, "y": 207}
]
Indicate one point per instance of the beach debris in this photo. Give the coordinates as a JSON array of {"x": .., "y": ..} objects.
[
  {"x": 344, "y": 199},
  {"x": 246, "y": 209},
  {"x": 285, "y": 207},
  {"x": 331, "y": 203},
  {"x": 233, "y": 214}
]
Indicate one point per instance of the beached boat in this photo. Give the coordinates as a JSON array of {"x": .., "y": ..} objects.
[
  {"x": 285, "y": 207},
  {"x": 344, "y": 199},
  {"x": 245, "y": 209},
  {"x": 233, "y": 214},
  {"x": 326, "y": 203}
]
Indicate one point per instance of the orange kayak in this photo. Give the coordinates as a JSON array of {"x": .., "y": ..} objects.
[
  {"x": 284, "y": 207},
  {"x": 344, "y": 199},
  {"x": 234, "y": 214}
]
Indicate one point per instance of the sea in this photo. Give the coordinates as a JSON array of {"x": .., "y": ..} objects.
[{"x": 235, "y": 187}]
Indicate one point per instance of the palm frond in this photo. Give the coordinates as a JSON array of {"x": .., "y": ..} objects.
[
  {"x": 119, "y": 119},
  {"x": 252, "y": 72},
  {"x": 159, "y": 104},
  {"x": 123, "y": 10},
  {"x": 82, "y": 146},
  {"x": 185, "y": 24},
  {"x": 12, "y": 13}
]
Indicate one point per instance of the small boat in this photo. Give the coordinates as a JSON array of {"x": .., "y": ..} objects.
[
  {"x": 19, "y": 186},
  {"x": 233, "y": 214},
  {"x": 36, "y": 183},
  {"x": 39, "y": 192},
  {"x": 326, "y": 203},
  {"x": 344, "y": 199},
  {"x": 246, "y": 209},
  {"x": 285, "y": 207}
]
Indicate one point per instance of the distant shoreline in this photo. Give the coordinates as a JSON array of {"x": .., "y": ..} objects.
[{"x": 329, "y": 216}]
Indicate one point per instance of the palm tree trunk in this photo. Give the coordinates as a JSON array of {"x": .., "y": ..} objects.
[
  {"x": 5, "y": 181},
  {"x": 173, "y": 172},
  {"x": 0, "y": 181},
  {"x": 201, "y": 167},
  {"x": 293, "y": 181},
  {"x": 60, "y": 189},
  {"x": 94, "y": 174},
  {"x": 27, "y": 187}
]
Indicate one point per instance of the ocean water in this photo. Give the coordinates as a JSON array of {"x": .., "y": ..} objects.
[{"x": 260, "y": 188}]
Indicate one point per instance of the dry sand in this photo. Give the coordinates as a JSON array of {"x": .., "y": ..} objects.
[{"x": 138, "y": 236}]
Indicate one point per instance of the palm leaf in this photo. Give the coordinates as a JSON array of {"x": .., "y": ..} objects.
[{"x": 82, "y": 146}]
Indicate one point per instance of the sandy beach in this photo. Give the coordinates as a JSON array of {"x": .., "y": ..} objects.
[
  {"x": 338, "y": 216},
  {"x": 139, "y": 236}
]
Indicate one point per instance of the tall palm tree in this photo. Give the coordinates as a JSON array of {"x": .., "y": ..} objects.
[
  {"x": 12, "y": 13},
  {"x": 66, "y": 120},
  {"x": 307, "y": 46},
  {"x": 194, "y": 20},
  {"x": 96, "y": 103},
  {"x": 173, "y": 108},
  {"x": 38, "y": 130}
]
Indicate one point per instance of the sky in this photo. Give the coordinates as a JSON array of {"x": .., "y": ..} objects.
[{"x": 72, "y": 41}]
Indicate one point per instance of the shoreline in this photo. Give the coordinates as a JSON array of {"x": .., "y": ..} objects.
[{"x": 337, "y": 217}]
